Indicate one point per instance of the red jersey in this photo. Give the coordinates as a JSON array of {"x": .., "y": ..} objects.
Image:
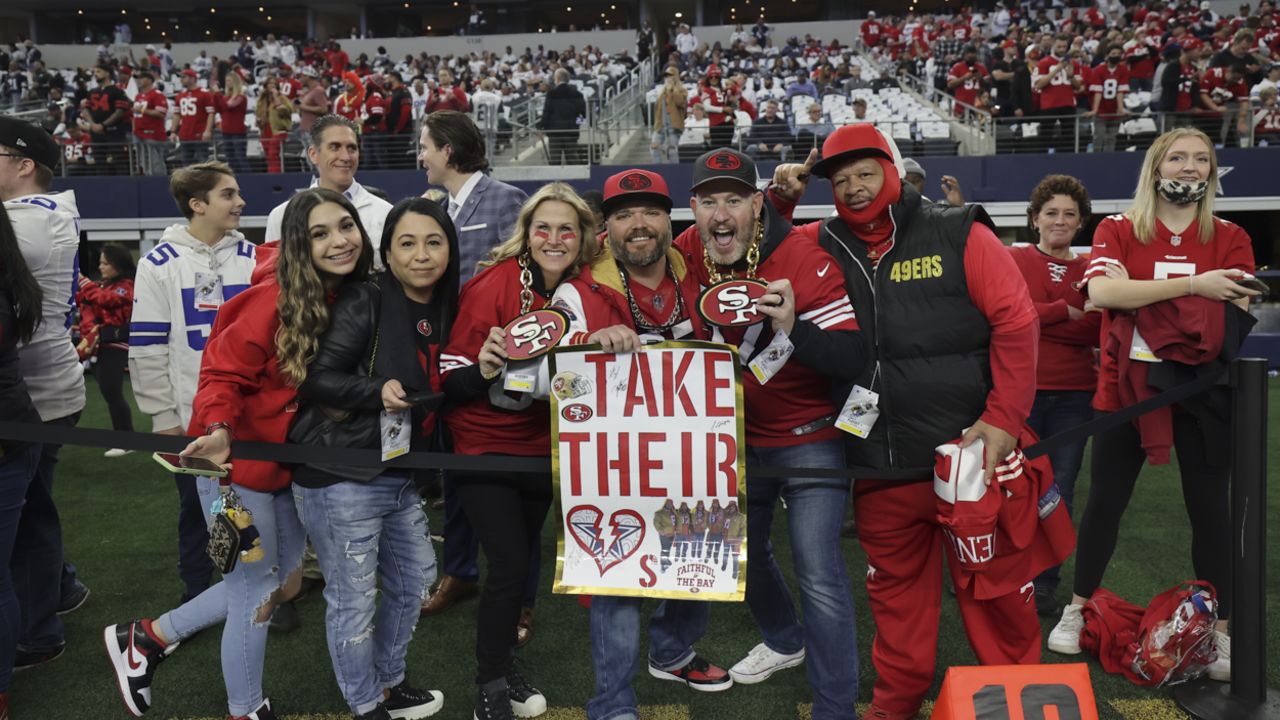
[
  {"x": 871, "y": 32},
  {"x": 241, "y": 383},
  {"x": 109, "y": 305},
  {"x": 1186, "y": 88},
  {"x": 1066, "y": 345},
  {"x": 349, "y": 107},
  {"x": 1060, "y": 92},
  {"x": 231, "y": 112},
  {"x": 798, "y": 396},
  {"x": 289, "y": 87},
  {"x": 520, "y": 425},
  {"x": 77, "y": 151},
  {"x": 1110, "y": 84},
  {"x": 375, "y": 112},
  {"x": 1168, "y": 255},
  {"x": 338, "y": 60},
  {"x": 1266, "y": 121},
  {"x": 145, "y": 126},
  {"x": 1141, "y": 57},
  {"x": 962, "y": 32},
  {"x": 194, "y": 109},
  {"x": 967, "y": 92},
  {"x": 452, "y": 98},
  {"x": 1214, "y": 83}
]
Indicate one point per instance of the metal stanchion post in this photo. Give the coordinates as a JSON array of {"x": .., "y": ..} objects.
[{"x": 1247, "y": 697}]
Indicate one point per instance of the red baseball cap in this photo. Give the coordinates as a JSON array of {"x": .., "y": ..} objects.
[
  {"x": 635, "y": 186},
  {"x": 854, "y": 141},
  {"x": 286, "y": 69},
  {"x": 190, "y": 73}
]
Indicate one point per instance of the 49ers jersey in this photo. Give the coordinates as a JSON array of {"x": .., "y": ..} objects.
[
  {"x": 1168, "y": 255},
  {"x": 795, "y": 406}
]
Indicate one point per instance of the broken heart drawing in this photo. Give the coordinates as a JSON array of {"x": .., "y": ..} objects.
[{"x": 610, "y": 544}]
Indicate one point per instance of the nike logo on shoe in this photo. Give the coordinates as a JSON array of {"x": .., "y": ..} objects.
[{"x": 129, "y": 657}]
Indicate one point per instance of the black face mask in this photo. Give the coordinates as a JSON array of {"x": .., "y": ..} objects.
[{"x": 1113, "y": 60}]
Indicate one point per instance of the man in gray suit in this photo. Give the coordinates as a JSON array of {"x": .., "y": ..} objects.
[{"x": 483, "y": 209}]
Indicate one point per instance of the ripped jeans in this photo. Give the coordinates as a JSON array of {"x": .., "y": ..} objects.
[
  {"x": 242, "y": 593},
  {"x": 361, "y": 530}
]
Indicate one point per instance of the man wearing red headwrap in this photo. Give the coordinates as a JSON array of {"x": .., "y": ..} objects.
[{"x": 954, "y": 337}]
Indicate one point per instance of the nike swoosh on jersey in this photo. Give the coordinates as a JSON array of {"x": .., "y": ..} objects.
[{"x": 823, "y": 271}]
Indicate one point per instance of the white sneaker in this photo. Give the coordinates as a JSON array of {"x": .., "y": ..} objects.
[
  {"x": 116, "y": 452},
  {"x": 762, "y": 662},
  {"x": 1220, "y": 670},
  {"x": 1065, "y": 637}
]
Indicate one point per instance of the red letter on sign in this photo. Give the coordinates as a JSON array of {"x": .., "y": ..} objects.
[
  {"x": 673, "y": 385},
  {"x": 601, "y": 361},
  {"x": 714, "y": 383},
  {"x": 686, "y": 467},
  {"x": 645, "y": 394},
  {"x": 648, "y": 464},
  {"x": 574, "y": 441},
  {"x": 622, "y": 464},
  {"x": 728, "y": 466}
]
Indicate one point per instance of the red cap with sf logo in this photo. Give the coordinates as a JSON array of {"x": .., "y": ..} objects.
[{"x": 635, "y": 186}]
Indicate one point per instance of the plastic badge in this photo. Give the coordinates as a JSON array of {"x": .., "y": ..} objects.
[
  {"x": 396, "y": 432},
  {"x": 860, "y": 412},
  {"x": 732, "y": 303},
  {"x": 770, "y": 360},
  {"x": 535, "y": 333},
  {"x": 1140, "y": 350},
  {"x": 208, "y": 291},
  {"x": 521, "y": 377}
]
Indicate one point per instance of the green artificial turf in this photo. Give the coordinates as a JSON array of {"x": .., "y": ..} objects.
[{"x": 119, "y": 523}]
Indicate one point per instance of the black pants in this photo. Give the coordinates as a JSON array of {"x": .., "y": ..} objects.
[
  {"x": 109, "y": 371},
  {"x": 565, "y": 142},
  {"x": 1058, "y": 130},
  {"x": 1117, "y": 460},
  {"x": 507, "y": 513}
]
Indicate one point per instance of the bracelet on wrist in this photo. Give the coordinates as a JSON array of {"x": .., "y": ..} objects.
[{"x": 214, "y": 427}]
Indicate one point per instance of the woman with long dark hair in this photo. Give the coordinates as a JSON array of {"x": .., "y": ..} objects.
[
  {"x": 262, "y": 342},
  {"x": 364, "y": 389},
  {"x": 105, "y": 309},
  {"x": 20, "y": 299},
  {"x": 1170, "y": 266},
  {"x": 555, "y": 237}
]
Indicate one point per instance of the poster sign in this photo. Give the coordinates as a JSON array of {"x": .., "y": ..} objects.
[{"x": 647, "y": 456}]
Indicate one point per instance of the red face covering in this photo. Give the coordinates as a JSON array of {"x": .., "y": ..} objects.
[{"x": 872, "y": 224}]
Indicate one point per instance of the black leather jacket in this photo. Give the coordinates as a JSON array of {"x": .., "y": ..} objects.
[{"x": 13, "y": 391}]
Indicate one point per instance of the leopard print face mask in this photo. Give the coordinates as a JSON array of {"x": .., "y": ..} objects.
[{"x": 1182, "y": 193}]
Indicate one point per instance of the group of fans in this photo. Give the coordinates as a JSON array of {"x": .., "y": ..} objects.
[{"x": 361, "y": 324}]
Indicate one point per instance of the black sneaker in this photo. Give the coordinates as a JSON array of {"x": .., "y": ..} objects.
[
  {"x": 1046, "y": 603},
  {"x": 409, "y": 703},
  {"x": 378, "y": 713},
  {"x": 27, "y": 659},
  {"x": 698, "y": 674},
  {"x": 526, "y": 700},
  {"x": 134, "y": 657},
  {"x": 263, "y": 713},
  {"x": 284, "y": 619},
  {"x": 74, "y": 599},
  {"x": 493, "y": 705}
]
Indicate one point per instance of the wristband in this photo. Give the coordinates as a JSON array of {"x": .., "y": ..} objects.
[{"x": 214, "y": 427}]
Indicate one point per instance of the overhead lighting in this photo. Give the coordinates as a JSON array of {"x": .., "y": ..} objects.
[
  {"x": 679, "y": 15},
  {"x": 79, "y": 12},
  {"x": 268, "y": 18},
  {"x": 213, "y": 10},
  {"x": 208, "y": 32},
  {"x": 124, "y": 12}
]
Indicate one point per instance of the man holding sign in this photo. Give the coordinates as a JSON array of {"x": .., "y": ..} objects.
[
  {"x": 795, "y": 338},
  {"x": 639, "y": 286}
]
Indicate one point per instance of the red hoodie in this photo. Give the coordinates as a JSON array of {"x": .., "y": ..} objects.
[
  {"x": 1066, "y": 345},
  {"x": 241, "y": 384}
]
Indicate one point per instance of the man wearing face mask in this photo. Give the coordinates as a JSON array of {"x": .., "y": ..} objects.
[
  {"x": 1108, "y": 84},
  {"x": 954, "y": 336},
  {"x": 805, "y": 314}
]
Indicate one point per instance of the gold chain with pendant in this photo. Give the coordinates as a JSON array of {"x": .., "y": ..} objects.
[
  {"x": 526, "y": 282},
  {"x": 753, "y": 259}
]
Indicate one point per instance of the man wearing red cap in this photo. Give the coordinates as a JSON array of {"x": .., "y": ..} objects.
[
  {"x": 715, "y": 100},
  {"x": 193, "y": 123},
  {"x": 954, "y": 336},
  {"x": 640, "y": 285},
  {"x": 806, "y": 317}
]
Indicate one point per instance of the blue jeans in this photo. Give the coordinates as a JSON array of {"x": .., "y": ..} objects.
[
  {"x": 615, "y": 648},
  {"x": 16, "y": 473},
  {"x": 361, "y": 531},
  {"x": 243, "y": 593},
  {"x": 1053, "y": 412},
  {"x": 191, "y": 152},
  {"x": 39, "y": 573},
  {"x": 234, "y": 148},
  {"x": 815, "y": 509}
]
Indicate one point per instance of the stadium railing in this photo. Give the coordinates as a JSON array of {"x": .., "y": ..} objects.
[{"x": 1077, "y": 133}]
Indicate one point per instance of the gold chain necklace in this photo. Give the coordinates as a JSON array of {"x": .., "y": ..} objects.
[
  {"x": 753, "y": 259},
  {"x": 526, "y": 282}
]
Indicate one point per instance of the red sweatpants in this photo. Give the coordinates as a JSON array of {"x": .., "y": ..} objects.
[{"x": 898, "y": 529}]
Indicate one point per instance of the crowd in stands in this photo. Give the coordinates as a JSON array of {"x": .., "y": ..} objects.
[{"x": 150, "y": 113}]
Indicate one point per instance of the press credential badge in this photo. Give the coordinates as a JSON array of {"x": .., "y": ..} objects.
[
  {"x": 396, "y": 431},
  {"x": 860, "y": 412}
]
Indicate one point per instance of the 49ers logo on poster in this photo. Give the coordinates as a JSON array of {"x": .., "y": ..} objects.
[
  {"x": 577, "y": 413},
  {"x": 534, "y": 334},
  {"x": 732, "y": 303}
]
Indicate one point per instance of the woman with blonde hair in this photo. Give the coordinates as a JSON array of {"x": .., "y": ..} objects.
[
  {"x": 232, "y": 105},
  {"x": 274, "y": 117},
  {"x": 1168, "y": 265},
  {"x": 553, "y": 239},
  {"x": 256, "y": 358}
]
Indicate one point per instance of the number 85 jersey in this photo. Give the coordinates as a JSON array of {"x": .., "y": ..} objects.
[{"x": 177, "y": 292}]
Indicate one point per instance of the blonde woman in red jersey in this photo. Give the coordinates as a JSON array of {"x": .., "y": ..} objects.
[
  {"x": 1065, "y": 375},
  {"x": 1166, "y": 248}
]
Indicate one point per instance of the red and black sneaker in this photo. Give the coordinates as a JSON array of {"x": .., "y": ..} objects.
[
  {"x": 697, "y": 674},
  {"x": 134, "y": 654}
]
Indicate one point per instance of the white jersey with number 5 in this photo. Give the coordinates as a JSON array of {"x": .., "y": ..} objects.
[
  {"x": 175, "y": 300},
  {"x": 48, "y": 230}
]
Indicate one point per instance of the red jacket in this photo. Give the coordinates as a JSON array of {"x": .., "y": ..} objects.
[
  {"x": 104, "y": 305},
  {"x": 454, "y": 98},
  {"x": 1187, "y": 330},
  {"x": 241, "y": 384},
  {"x": 491, "y": 299}
]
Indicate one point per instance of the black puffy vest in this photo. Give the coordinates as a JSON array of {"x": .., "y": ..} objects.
[{"x": 930, "y": 346}]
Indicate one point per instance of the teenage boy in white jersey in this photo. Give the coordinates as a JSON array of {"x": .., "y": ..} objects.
[
  {"x": 179, "y": 287},
  {"x": 47, "y": 225}
]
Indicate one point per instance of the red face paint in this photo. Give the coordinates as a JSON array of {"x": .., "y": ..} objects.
[
  {"x": 541, "y": 234},
  {"x": 568, "y": 235}
]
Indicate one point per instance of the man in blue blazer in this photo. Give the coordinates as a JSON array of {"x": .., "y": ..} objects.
[{"x": 483, "y": 209}]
